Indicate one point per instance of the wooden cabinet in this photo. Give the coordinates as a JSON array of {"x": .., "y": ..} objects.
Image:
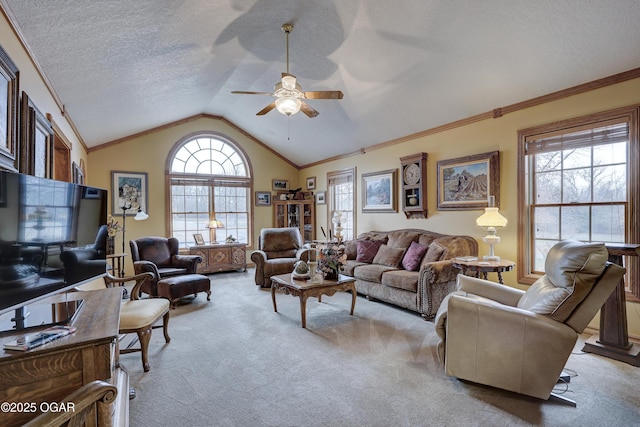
[
  {"x": 296, "y": 213},
  {"x": 221, "y": 257},
  {"x": 52, "y": 371}
]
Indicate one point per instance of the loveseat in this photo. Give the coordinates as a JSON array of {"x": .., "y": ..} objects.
[{"x": 410, "y": 268}]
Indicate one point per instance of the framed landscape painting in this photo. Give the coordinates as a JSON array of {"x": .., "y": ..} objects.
[
  {"x": 466, "y": 183},
  {"x": 379, "y": 191}
]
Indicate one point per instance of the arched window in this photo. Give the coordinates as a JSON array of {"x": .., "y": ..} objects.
[{"x": 210, "y": 179}]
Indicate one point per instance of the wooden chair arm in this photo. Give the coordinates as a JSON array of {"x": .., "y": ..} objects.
[{"x": 111, "y": 281}]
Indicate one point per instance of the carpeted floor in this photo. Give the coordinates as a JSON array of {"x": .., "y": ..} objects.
[{"x": 234, "y": 362}]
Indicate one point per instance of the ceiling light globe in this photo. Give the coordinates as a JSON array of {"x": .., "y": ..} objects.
[{"x": 288, "y": 106}]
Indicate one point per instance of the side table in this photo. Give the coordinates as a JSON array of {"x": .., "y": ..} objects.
[
  {"x": 117, "y": 263},
  {"x": 485, "y": 267}
]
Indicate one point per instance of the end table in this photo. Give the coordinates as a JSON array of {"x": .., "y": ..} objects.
[{"x": 485, "y": 267}]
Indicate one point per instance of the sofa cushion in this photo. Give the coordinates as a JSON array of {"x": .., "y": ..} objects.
[
  {"x": 351, "y": 249},
  {"x": 391, "y": 257},
  {"x": 413, "y": 256},
  {"x": 350, "y": 265},
  {"x": 435, "y": 252},
  {"x": 401, "y": 279},
  {"x": 426, "y": 239},
  {"x": 571, "y": 268},
  {"x": 371, "y": 272},
  {"x": 367, "y": 250},
  {"x": 402, "y": 238}
]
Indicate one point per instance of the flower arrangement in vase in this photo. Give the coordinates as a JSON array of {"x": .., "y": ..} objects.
[
  {"x": 331, "y": 258},
  {"x": 113, "y": 228}
]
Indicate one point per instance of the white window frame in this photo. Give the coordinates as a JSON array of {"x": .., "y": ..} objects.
[
  {"x": 336, "y": 182},
  {"x": 230, "y": 174}
]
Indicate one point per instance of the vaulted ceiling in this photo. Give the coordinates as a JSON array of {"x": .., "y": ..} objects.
[{"x": 404, "y": 66}]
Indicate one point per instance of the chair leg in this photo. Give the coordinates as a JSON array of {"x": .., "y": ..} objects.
[
  {"x": 165, "y": 327},
  {"x": 144, "y": 335}
]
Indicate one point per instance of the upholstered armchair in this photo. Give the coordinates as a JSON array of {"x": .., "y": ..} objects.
[
  {"x": 520, "y": 341},
  {"x": 278, "y": 249},
  {"x": 159, "y": 256},
  {"x": 85, "y": 262}
]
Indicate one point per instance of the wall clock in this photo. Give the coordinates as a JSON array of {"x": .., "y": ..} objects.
[{"x": 414, "y": 185}]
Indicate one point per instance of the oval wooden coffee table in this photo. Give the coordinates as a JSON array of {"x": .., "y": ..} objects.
[{"x": 304, "y": 289}]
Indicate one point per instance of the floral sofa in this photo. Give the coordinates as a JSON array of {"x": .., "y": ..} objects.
[{"x": 410, "y": 268}]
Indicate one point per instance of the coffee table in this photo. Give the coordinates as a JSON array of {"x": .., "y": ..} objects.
[{"x": 304, "y": 289}]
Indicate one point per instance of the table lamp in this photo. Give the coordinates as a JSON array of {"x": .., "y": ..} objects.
[
  {"x": 489, "y": 221},
  {"x": 212, "y": 226}
]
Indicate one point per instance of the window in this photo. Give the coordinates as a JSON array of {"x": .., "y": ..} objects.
[
  {"x": 342, "y": 197},
  {"x": 576, "y": 181},
  {"x": 209, "y": 179}
]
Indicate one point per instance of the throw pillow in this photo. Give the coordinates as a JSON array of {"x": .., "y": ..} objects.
[
  {"x": 413, "y": 256},
  {"x": 388, "y": 256},
  {"x": 434, "y": 253},
  {"x": 366, "y": 250}
]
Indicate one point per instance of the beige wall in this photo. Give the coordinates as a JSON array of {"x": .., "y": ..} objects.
[
  {"x": 148, "y": 153},
  {"x": 484, "y": 136}
]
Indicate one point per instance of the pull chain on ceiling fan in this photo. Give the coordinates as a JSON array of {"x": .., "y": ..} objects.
[{"x": 288, "y": 93}]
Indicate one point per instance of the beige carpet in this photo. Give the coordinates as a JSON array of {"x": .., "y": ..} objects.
[{"x": 234, "y": 362}]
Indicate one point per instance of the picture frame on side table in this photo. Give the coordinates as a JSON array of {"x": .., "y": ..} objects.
[
  {"x": 263, "y": 198},
  {"x": 198, "y": 239},
  {"x": 129, "y": 189},
  {"x": 467, "y": 182},
  {"x": 320, "y": 198},
  {"x": 379, "y": 191}
]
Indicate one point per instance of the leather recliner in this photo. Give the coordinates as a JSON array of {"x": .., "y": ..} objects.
[
  {"x": 520, "y": 341},
  {"x": 278, "y": 250},
  {"x": 159, "y": 256}
]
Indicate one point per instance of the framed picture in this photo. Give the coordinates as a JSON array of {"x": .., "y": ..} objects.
[
  {"x": 311, "y": 183},
  {"x": 379, "y": 194},
  {"x": 36, "y": 141},
  {"x": 9, "y": 101},
  {"x": 320, "y": 200},
  {"x": 467, "y": 182},
  {"x": 263, "y": 198},
  {"x": 280, "y": 185},
  {"x": 129, "y": 190},
  {"x": 198, "y": 238}
]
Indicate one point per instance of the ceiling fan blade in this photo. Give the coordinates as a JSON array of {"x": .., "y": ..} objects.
[
  {"x": 242, "y": 92},
  {"x": 307, "y": 109},
  {"x": 323, "y": 94},
  {"x": 266, "y": 109}
]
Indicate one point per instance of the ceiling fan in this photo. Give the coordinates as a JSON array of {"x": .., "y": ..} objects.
[{"x": 288, "y": 93}]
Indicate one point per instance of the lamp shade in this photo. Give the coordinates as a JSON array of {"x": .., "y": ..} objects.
[
  {"x": 141, "y": 215},
  {"x": 491, "y": 218},
  {"x": 288, "y": 105},
  {"x": 215, "y": 224}
]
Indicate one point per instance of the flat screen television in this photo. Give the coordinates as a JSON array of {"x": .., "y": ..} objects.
[{"x": 39, "y": 219}]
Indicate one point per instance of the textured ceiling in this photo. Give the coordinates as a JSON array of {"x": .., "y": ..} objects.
[{"x": 122, "y": 67}]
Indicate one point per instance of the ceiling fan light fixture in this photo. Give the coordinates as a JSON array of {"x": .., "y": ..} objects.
[
  {"x": 288, "y": 106},
  {"x": 289, "y": 83}
]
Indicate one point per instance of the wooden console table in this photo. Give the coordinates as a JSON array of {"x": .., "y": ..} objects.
[
  {"x": 613, "y": 341},
  {"x": 220, "y": 257},
  {"x": 50, "y": 372}
]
